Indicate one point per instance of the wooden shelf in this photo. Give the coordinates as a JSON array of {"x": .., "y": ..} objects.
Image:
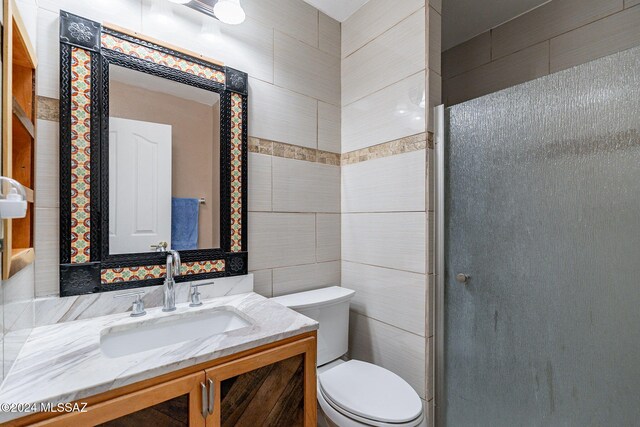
[
  {"x": 20, "y": 258},
  {"x": 19, "y": 132},
  {"x": 22, "y": 117},
  {"x": 30, "y": 195}
]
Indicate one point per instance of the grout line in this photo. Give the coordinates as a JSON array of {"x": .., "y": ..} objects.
[
  {"x": 298, "y": 265},
  {"x": 530, "y": 45},
  {"x": 491, "y": 45},
  {"x": 424, "y": 70},
  {"x": 426, "y": 275},
  {"x": 495, "y": 60},
  {"x": 384, "y": 212},
  {"x": 389, "y": 324},
  {"x": 380, "y": 266},
  {"x": 384, "y": 32}
]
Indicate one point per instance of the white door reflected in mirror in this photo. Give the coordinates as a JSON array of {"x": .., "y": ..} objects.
[
  {"x": 164, "y": 158},
  {"x": 139, "y": 185}
]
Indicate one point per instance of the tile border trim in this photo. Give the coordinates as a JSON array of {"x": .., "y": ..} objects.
[
  {"x": 419, "y": 141},
  {"x": 48, "y": 109},
  {"x": 294, "y": 152}
]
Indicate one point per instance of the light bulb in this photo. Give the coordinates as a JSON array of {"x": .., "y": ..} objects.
[{"x": 229, "y": 11}]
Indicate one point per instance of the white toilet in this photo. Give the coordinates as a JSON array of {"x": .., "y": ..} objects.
[{"x": 352, "y": 393}]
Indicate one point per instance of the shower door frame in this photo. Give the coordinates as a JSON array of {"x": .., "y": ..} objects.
[{"x": 439, "y": 254}]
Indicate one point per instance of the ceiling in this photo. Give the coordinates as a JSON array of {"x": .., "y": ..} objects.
[
  {"x": 464, "y": 19},
  {"x": 339, "y": 10}
]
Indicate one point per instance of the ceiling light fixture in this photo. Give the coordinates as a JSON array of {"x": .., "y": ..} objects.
[{"x": 229, "y": 11}]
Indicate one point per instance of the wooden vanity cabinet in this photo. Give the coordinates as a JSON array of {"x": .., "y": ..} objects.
[
  {"x": 273, "y": 385},
  {"x": 276, "y": 387}
]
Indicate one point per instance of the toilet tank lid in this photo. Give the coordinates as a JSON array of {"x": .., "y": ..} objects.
[{"x": 315, "y": 298}]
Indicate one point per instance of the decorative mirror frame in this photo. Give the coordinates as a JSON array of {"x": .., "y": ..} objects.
[{"x": 86, "y": 50}]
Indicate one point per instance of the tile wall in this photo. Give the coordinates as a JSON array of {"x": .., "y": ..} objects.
[
  {"x": 390, "y": 82},
  {"x": 340, "y": 146},
  {"x": 292, "y": 54},
  {"x": 558, "y": 35}
]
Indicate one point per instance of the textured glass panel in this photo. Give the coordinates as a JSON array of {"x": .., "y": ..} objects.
[{"x": 543, "y": 212}]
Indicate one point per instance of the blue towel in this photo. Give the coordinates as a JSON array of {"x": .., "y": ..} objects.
[{"x": 184, "y": 223}]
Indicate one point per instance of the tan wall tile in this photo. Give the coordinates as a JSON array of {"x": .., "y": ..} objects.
[
  {"x": 395, "y": 297},
  {"x": 467, "y": 56},
  {"x": 517, "y": 68},
  {"x": 48, "y": 109},
  {"x": 302, "y": 278},
  {"x": 601, "y": 38},
  {"x": 547, "y": 21},
  {"x": 305, "y": 69}
]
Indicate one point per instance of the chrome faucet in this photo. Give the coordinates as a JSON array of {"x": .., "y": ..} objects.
[{"x": 173, "y": 269}]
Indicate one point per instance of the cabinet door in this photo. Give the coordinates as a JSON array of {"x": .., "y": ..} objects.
[
  {"x": 175, "y": 403},
  {"x": 276, "y": 387}
]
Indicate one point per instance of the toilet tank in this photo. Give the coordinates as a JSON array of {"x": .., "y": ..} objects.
[{"x": 330, "y": 308}]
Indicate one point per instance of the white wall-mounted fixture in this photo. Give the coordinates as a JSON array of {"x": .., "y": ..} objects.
[
  {"x": 14, "y": 204},
  {"x": 229, "y": 12}
]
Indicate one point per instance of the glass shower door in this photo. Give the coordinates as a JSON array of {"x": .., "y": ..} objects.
[{"x": 542, "y": 214}]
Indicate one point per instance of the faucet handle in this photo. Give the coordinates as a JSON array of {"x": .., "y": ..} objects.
[
  {"x": 138, "y": 305},
  {"x": 160, "y": 247},
  {"x": 195, "y": 293}
]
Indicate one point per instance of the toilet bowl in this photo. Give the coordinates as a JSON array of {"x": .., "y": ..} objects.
[
  {"x": 352, "y": 393},
  {"x": 356, "y": 394}
]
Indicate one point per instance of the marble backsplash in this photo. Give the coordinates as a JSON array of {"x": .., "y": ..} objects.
[{"x": 53, "y": 310}]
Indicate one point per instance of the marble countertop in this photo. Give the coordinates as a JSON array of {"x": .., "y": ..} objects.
[{"x": 64, "y": 363}]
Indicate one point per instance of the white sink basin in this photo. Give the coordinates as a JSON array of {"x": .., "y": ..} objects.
[{"x": 149, "y": 334}]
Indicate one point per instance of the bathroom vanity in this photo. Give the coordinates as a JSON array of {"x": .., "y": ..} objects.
[{"x": 256, "y": 364}]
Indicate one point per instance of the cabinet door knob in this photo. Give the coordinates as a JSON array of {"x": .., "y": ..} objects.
[
  {"x": 204, "y": 400},
  {"x": 212, "y": 394}
]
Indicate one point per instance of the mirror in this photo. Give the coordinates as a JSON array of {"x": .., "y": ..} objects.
[
  {"x": 147, "y": 131},
  {"x": 164, "y": 164}
]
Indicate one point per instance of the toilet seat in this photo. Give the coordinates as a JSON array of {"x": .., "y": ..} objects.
[{"x": 370, "y": 395}]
